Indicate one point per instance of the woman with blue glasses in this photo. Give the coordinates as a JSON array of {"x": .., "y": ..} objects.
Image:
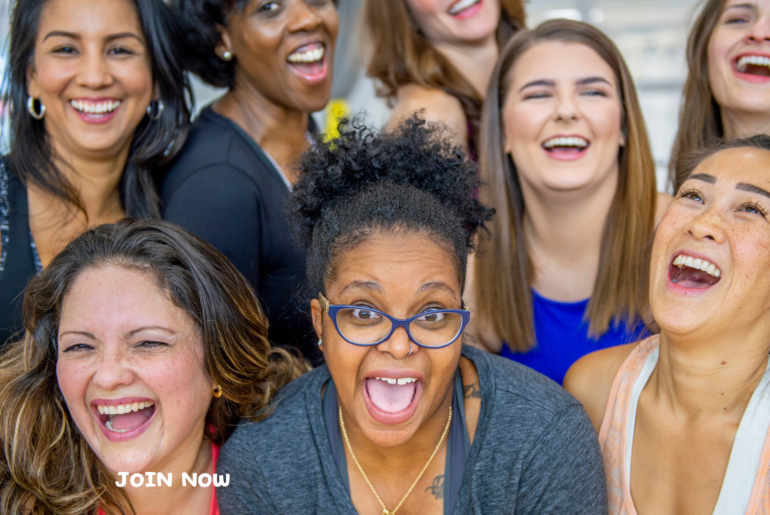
[{"x": 403, "y": 418}]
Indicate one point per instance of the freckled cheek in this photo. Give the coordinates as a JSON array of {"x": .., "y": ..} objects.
[
  {"x": 73, "y": 379},
  {"x": 181, "y": 385}
]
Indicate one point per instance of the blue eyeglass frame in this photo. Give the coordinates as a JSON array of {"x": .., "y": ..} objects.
[{"x": 333, "y": 309}]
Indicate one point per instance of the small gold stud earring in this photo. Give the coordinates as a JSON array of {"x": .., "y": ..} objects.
[{"x": 217, "y": 392}]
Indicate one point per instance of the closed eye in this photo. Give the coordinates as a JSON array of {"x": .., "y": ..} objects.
[
  {"x": 537, "y": 95},
  {"x": 120, "y": 51},
  {"x": 150, "y": 344},
  {"x": 66, "y": 49},
  {"x": 595, "y": 93},
  {"x": 78, "y": 347}
]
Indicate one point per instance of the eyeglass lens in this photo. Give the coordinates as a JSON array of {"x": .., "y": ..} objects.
[{"x": 365, "y": 327}]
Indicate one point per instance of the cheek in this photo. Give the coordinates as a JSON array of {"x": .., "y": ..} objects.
[
  {"x": 523, "y": 125},
  {"x": 182, "y": 386},
  {"x": 425, "y": 8},
  {"x": 605, "y": 122},
  {"x": 73, "y": 379}
]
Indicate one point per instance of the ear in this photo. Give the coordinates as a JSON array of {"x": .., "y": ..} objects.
[
  {"x": 33, "y": 88},
  {"x": 317, "y": 313},
  {"x": 225, "y": 43}
]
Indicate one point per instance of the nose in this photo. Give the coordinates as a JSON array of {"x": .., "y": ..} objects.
[
  {"x": 707, "y": 226},
  {"x": 566, "y": 110},
  {"x": 95, "y": 73},
  {"x": 303, "y": 18},
  {"x": 112, "y": 371},
  {"x": 398, "y": 345},
  {"x": 760, "y": 30}
]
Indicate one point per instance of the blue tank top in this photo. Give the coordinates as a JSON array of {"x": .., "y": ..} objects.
[{"x": 562, "y": 337}]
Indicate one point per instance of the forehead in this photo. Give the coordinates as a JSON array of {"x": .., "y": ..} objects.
[
  {"x": 398, "y": 259},
  {"x": 115, "y": 299},
  {"x": 748, "y": 165},
  {"x": 90, "y": 17},
  {"x": 560, "y": 60}
]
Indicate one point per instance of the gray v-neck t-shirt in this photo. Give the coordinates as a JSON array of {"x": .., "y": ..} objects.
[{"x": 534, "y": 452}]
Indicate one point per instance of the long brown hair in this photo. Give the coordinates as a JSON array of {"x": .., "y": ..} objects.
[
  {"x": 700, "y": 119},
  {"x": 398, "y": 54},
  {"x": 504, "y": 270},
  {"x": 47, "y": 465}
]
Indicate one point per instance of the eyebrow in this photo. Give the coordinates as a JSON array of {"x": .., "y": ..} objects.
[
  {"x": 150, "y": 328},
  {"x": 551, "y": 83},
  {"x": 72, "y": 35},
  {"x": 753, "y": 189},
  {"x": 741, "y": 6},
  {"x": 79, "y": 333},
  {"x": 362, "y": 285},
  {"x": 704, "y": 177},
  {"x": 436, "y": 285}
]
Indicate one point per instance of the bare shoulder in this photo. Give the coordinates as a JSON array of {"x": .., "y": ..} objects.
[
  {"x": 662, "y": 202},
  {"x": 590, "y": 379},
  {"x": 438, "y": 106}
]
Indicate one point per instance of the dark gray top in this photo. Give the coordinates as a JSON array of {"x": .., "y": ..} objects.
[{"x": 534, "y": 452}]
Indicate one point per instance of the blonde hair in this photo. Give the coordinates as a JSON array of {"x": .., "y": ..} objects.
[
  {"x": 47, "y": 465},
  {"x": 503, "y": 268}
]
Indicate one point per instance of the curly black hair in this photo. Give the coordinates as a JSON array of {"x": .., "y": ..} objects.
[{"x": 412, "y": 179}]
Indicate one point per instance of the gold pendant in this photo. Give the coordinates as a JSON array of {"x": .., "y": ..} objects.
[{"x": 385, "y": 512}]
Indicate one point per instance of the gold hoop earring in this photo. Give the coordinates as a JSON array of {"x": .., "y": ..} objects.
[
  {"x": 31, "y": 108},
  {"x": 217, "y": 392}
]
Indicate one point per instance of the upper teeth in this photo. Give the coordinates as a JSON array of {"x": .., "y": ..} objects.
[
  {"x": 462, "y": 5},
  {"x": 402, "y": 381},
  {"x": 566, "y": 142},
  {"x": 758, "y": 60},
  {"x": 100, "y": 108},
  {"x": 699, "y": 264},
  {"x": 308, "y": 56},
  {"x": 123, "y": 408}
]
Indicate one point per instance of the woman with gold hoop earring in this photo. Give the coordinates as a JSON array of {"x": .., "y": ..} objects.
[
  {"x": 98, "y": 123},
  {"x": 403, "y": 418}
]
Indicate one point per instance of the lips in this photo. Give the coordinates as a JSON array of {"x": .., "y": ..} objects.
[
  {"x": 119, "y": 424},
  {"x": 752, "y": 67},
  {"x": 688, "y": 273},
  {"x": 392, "y": 397},
  {"x": 309, "y": 62}
]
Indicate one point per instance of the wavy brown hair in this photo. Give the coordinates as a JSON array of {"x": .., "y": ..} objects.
[
  {"x": 398, "y": 54},
  {"x": 700, "y": 118},
  {"x": 47, "y": 465},
  {"x": 504, "y": 270}
]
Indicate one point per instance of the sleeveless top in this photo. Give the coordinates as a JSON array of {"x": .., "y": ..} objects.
[
  {"x": 458, "y": 445},
  {"x": 746, "y": 486},
  {"x": 213, "y": 508},
  {"x": 561, "y": 331},
  {"x": 19, "y": 261}
]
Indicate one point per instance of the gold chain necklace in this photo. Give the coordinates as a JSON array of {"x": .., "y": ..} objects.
[{"x": 360, "y": 468}]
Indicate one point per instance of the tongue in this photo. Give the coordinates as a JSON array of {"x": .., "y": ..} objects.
[
  {"x": 392, "y": 398},
  {"x": 313, "y": 68},
  {"x": 755, "y": 69},
  {"x": 131, "y": 420},
  {"x": 693, "y": 278}
]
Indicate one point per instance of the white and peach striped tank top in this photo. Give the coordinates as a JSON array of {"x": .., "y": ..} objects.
[{"x": 746, "y": 487}]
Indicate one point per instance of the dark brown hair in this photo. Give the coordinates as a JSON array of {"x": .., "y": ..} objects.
[
  {"x": 398, "y": 54},
  {"x": 504, "y": 270},
  {"x": 47, "y": 465},
  {"x": 700, "y": 118}
]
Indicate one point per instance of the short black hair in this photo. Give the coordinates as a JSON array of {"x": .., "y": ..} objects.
[{"x": 412, "y": 179}]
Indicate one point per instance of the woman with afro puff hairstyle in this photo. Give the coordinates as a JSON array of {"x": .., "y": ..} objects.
[
  {"x": 403, "y": 417},
  {"x": 229, "y": 183}
]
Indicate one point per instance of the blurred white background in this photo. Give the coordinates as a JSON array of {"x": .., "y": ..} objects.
[{"x": 651, "y": 34}]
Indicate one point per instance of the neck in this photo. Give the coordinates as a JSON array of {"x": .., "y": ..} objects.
[
  {"x": 564, "y": 232},
  {"x": 714, "y": 374},
  {"x": 280, "y": 131},
  {"x": 743, "y": 124},
  {"x": 475, "y": 62},
  {"x": 196, "y": 457},
  {"x": 393, "y": 464}
]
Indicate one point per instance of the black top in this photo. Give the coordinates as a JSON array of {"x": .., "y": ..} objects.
[
  {"x": 19, "y": 261},
  {"x": 224, "y": 188}
]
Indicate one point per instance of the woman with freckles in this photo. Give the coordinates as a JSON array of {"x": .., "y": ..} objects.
[
  {"x": 571, "y": 176},
  {"x": 144, "y": 347},
  {"x": 403, "y": 418},
  {"x": 230, "y": 182},
  {"x": 96, "y": 103},
  {"x": 684, "y": 416},
  {"x": 727, "y": 92}
]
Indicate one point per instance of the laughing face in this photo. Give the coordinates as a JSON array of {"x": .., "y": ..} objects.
[
  {"x": 712, "y": 248},
  {"x": 285, "y": 50},
  {"x": 739, "y": 58},
  {"x": 562, "y": 118},
  {"x": 131, "y": 371},
  {"x": 456, "y": 21},
  {"x": 384, "y": 391},
  {"x": 92, "y": 72}
]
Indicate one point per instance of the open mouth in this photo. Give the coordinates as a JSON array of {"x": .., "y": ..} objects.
[
  {"x": 392, "y": 400},
  {"x": 758, "y": 65},
  {"x": 96, "y": 111},
  {"x": 462, "y": 7},
  {"x": 694, "y": 273},
  {"x": 120, "y": 419},
  {"x": 566, "y": 147},
  {"x": 309, "y": 62}
]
